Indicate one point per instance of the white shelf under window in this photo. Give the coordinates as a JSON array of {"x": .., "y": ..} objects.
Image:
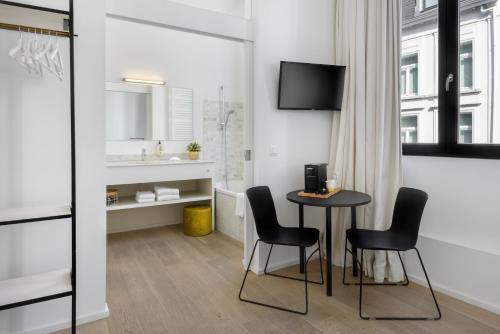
[
  {"x": 48, "y": 285},
  {"x": 186, "y": 197},
  {"x": 32, "y": 214}
]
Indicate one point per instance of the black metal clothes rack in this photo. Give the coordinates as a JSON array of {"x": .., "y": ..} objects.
[{"x": 39, "y": 288}]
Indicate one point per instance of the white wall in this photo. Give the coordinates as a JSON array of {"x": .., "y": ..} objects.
[
  {"x": 35, "y": 170},
  {"x": 460, "y": 229},
  {"x": 294, "y": 30},
  {"x": 232, "y": 7},
  {"x": 180, "y": 58}
]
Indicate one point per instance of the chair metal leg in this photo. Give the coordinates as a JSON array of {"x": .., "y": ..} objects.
[
  {"x": 293, "y": 278},
  {"x": 345, "y": 260},
  {"x": 430, "y": 286},
  {"x": 405, "y": 283},
  {"x": 248, "y": 268},
  {"x": 397, "y": 318},
  {"x": 361, "y": 274},
  {"x": 268, "y": 305},
  {"x": 404, "y": 270}
]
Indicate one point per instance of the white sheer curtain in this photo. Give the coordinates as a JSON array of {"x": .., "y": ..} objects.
[{"x": 365, "y": 146}]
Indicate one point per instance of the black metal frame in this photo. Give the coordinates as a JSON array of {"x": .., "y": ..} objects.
[
  {"x": 35, "y": 219},
  {"x": 448, "y": 146},
  {"x": 73, "y": 163},
  {"x": 71, "y": 293},
  {"x": 305, "y": 280},
  {"x": 355, "y": 272},
  {"x": 387, "y": 284}
]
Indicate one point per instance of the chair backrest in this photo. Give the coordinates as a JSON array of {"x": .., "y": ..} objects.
[
  {"x": 264, "y": 212},
  {"x": 408, "y": 210}
]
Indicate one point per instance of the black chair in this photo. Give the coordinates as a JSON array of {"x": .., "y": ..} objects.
[
  {"x": 272, "y": 233},
  {"x": 401, "y": 236}
]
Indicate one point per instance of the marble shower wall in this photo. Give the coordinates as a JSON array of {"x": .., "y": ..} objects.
[{"x": 213, "y": 144}]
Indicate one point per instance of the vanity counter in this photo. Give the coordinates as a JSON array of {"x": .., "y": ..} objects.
[
  {"x": 140, "y": 163},
  {"x": 193, "y": 178},
  {"x": 131, "y": 172}
]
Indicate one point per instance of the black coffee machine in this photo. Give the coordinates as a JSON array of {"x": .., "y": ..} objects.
[{"x": 315, "y": 178}]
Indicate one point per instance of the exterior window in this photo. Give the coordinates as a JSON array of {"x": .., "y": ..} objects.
[
  {"x": 450, "y": 63},
  {"x": 409, "y": 75},
  {"x": 409, "y": 129},
  {"x": 466, "y": 65},
  {"x": 465, "y": 128}
]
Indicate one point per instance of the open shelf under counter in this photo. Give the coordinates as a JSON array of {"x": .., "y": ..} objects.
[
  {"x": 194, "y": 179},
  {"x": 185, "y": 197}
]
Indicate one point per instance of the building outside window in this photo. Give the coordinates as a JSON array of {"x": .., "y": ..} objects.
[
  {"x": 409, "y": 75},
  {"x": 466, "y": 74},
  {"x": 428, "y": 4},
  {"x": 465, "y": 127},
  {"x": 409, "y": 129}
]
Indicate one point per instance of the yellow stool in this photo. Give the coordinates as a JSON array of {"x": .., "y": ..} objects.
[{"x": 197, "y": 220}]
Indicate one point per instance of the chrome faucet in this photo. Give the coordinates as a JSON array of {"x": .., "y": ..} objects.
[{"x": 143, "y": 154}]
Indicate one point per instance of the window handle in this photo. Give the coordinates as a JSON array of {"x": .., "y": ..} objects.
[{"x": 449, "y": 79}]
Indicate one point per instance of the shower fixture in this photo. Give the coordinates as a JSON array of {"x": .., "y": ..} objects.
[{"x": 223, "y": 124}]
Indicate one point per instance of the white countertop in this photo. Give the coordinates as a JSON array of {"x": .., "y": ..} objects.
[{"x": 133, "y": 163}]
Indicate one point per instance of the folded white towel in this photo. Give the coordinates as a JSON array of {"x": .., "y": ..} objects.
[
  {"x": 144, "y": 195},
  {"x": 145, "y": 200},
  {"x": 167, "y": 198},
  {"x": 239, "y": 209},
  {"x": 166, "y": 191}
]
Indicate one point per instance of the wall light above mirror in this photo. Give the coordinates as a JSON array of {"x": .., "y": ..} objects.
[
  {"x": 144, "y": 82},
  {"x": 145, "y": 112}
]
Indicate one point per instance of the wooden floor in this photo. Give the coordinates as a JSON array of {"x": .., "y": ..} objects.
[{"x": 160, "y": 281}]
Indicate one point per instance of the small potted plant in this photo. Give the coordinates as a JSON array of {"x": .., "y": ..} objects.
[{"x": 194, "y": 150}]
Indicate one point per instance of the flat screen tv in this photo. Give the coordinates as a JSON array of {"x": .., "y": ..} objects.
[{"x": 305, "y": 86}]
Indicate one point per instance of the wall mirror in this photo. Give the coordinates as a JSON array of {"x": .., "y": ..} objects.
[{"x": 143, "y": 112}]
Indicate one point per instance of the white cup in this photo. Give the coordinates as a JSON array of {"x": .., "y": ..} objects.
[{"x": 331, "y": 185}]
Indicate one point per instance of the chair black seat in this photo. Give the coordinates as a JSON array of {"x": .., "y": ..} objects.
[
  {"x": 379, "y": 240},
  {"x": 290, "y": 236}
]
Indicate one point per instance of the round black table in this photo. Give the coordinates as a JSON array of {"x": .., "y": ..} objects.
[{"x": 344, "y": 199}]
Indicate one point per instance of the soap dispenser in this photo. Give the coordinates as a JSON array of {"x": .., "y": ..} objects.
[{"x": 159, "y": 149}]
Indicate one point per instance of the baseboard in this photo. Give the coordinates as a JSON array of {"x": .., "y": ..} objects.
[
  {"x": 137, "y": 228},
  {"x": 457, "y": 270},
  {"x": 280, "y": 265},
  {"x": 83, "y": 319},
  {"x": 456, "y": 294}
]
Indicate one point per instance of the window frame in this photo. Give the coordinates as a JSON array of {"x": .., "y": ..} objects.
[
  {"x": 449, "y": 101},
  {"x": 423, "y": 8},
  {"x": 470, "y": 111},
  {"x": 408, "y": 69},
  {"x": 471, "y": 42},
  {"x": 415, "y": 115}
]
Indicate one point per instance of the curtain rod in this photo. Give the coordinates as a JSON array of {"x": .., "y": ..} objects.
[{"x": 43, "y": 31}]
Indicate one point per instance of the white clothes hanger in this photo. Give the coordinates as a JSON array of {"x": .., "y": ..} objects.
[
  {"x": 15, "y": 50},
  {"x": 56, "y": 58}
]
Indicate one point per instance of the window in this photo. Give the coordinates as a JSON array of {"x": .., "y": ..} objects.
[
  {"x": 428, "y": 4},
  {"x": 465, "y": 128},
  {"x": 466, "y": 65},
  {"x": 409, "y": 75},
  {"x": 451, "y": 67},
  {"x": 409, "y": 129}
]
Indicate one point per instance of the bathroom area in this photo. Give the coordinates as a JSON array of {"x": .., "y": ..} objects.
[{"x": 177, "y": 126}]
